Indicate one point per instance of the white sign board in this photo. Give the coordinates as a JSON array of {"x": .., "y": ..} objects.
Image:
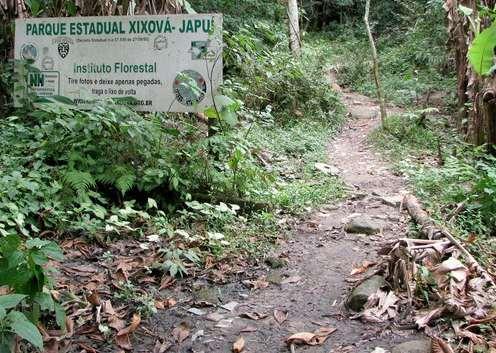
[{"x": 166, "y": 63}]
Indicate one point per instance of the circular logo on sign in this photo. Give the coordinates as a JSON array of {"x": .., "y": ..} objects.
[
  {"x": 29, "y": 52},
  {"x": 189, "y": 87}
]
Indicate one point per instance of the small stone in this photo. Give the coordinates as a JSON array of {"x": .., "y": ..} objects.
[
  {"x": 230, "y": 306},
  {"x": 361, "y": 294},
  {"x": 358, "y": 196},
  {"x": 330, "y": 208},
  {"x": 196, "y": 311},
  {"x": 393, "y": 201},
  {"x": 215, "y": 317},
  {"x": 224, "y": 323},
  {"x": 197, "y": 334},
  {"x": 327, "y": 169},
  {"x": 363, "y": 224},
  {"x": 379, "y": 350},
  {"x": 418, "y": 346}
]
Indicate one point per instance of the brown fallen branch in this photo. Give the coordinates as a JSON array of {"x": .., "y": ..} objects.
[
  {"x": 435, "y": 231},
  {"x": 428, "y": 226}
]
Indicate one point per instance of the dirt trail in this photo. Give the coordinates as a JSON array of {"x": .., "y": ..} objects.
[{"x": 321, "y": 256}]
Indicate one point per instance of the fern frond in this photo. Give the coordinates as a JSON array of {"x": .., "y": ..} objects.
[
  {"x": 125, "y": 182},
  {"x": 120, "y": 176},
  {"x": 79, "y": 181}
]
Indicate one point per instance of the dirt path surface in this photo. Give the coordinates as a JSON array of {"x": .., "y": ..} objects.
[{"x": 313, "y": 286}]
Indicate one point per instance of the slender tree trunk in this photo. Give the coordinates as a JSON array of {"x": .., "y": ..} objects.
[
  {"x": 294, "y": 28},
  {"x": 377, "y": 78}
]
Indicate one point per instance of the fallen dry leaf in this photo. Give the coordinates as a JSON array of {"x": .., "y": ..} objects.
[
  {"x": 87, "y": 348},
  {"x": 280, "y": 316},
  {"x": 166, "y": 282},
  {"x": 440, "y": 346},
  {"x": 124, "y": 342},
  {"x": 116, "y": 323},
  {"x": 230, "y": 306},
  {"x": 254, "y": 315},
  {"x": 161, "y": 347},
  {"x": 181, "y": 332},
  {"x": 135, "y": 321},
  {"x": 260, "y": 283},
  {"x": 312, "y": 339},
  {"x": 301, "y": 338},
  {"x": 239, "y": 345},
  {"x": 94, "y": 298},
  {"x": 361, "y": 269},
  {"x": 107, "y": 307},
  {"x": 122, "y": 338},
  {"x": 424, "y": 320}
]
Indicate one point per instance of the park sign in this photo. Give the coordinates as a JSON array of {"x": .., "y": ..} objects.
[{"x": 165, "y": 63}]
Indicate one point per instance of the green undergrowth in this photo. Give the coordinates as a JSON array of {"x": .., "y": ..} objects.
[
  {"x": 293, "y": 152},
  {"x": 110, "y": 172},
  {"x": 455, "y": 181}
]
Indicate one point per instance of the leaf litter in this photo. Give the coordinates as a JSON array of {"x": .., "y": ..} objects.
[
  {"x": 433, "y": 288},
  {"x": 105, "y": 288}
]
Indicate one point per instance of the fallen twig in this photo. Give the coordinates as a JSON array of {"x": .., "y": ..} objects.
[{"x": 433, "y": 230}]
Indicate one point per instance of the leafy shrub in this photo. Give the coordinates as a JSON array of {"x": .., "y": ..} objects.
[
  {"x": 13, "y": 322},
  {"x": 273, "y": 81},
  {"x": 23, "y": 270}
]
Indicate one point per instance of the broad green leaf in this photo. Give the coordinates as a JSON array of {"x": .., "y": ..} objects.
[
  {"x": 36, "y": 243},
  {"x": 222, "y": 101},
  {"x": 60, "y": 315},
  {"x": 211, "y": 113},
  {"x": 53, "y": 251},
  {"x": 152, "y": 203},
  {"x": 481, "y": 52},
  {"x": 9, "y": 244},
  {"x": 10, "y": 301},
  {"x": 467, "y": 11},
  {"x": 229, "y": 116},
  {"x": 38, "y": 257},
  {"x": 45, "y": 301},
  {"x": 187, "y": 6},
  {"x": 25, "y": 328}
]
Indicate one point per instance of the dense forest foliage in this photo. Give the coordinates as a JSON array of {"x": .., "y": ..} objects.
[{"x": 213, "y": 191}]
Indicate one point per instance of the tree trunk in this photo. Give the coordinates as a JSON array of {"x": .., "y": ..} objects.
[
  {"x": 375, "y": 59},
  {"x": 294, "y": 28},
  {"x": 476, "y": 95}
]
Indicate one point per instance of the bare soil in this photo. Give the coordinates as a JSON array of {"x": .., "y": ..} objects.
[{"x": 313, "y": 285}]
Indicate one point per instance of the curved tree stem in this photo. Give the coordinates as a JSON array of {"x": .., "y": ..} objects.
[{"x": 380, "y": 94}]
